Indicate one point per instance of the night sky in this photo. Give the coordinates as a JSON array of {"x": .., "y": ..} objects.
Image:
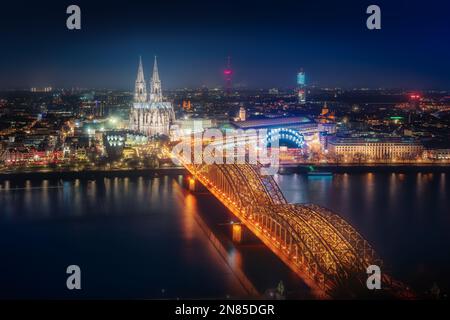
[{"x": 269, "y": 41}]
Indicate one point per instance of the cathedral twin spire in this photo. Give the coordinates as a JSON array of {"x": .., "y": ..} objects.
[
  {"x": 140, "y": 92},
  {"x": 140, "y": 88},
  {"x": 155, "y": 86}
]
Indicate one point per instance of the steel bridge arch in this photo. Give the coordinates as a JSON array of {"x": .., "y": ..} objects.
[{"x": 313, "y": 241}]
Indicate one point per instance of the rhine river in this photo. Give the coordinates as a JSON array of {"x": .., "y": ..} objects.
[{"x": 148, "y": 237}]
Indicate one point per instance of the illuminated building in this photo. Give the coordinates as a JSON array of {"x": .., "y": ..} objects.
[
  {"x": 326, "y": 121},
  {"x": 375, "y": 148},
  {"x": 150, "y": 115},
  {"x": 328, "y": 127},
  {"x": 294, "y": 134},
  {"x": 288, "y": 136},
  {"x": 438, "y": 154},
  {"x": 118, "y": 143},
  {"x": 301, "y": 82},
  {"x": 302, "y": 124},
  {"x": 242, "y": 114},
  {"x": 192, "y": 125},
  {"x": 30, "y": 155},
  {"x": 45, "y": 89},
  {"x": 187, "y": 105},
  {"x": 290, "y": 126},
  {"x": 437, "y": 151},
  {"x": 324, "y": 137}
]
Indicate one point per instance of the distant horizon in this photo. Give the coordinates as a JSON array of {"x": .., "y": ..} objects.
[
  {"x": 240, "y": 88},
  {"x": 268, "y": 41}
]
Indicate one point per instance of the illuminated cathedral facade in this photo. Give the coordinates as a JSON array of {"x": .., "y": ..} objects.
[{"x": 150, "y": 114}]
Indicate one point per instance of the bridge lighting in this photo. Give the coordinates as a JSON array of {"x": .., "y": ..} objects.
[{"x": 192, "y": 184}]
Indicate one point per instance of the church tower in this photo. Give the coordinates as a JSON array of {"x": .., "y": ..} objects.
[
  {"x": 150, "y": 114},
  {"x": 155, "y": 86},
  {"x": 140, "y": 89}
]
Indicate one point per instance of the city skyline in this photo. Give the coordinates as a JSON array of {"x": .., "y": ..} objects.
[
  {"x": 214, "y": 158},
  {"x": 269, "y": 43}
]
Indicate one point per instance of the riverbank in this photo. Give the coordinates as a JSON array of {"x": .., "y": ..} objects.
[
  {"x": 89, "y": 174},
  {"x": 284, "y": 169},
  {"x": 365, "y": 168}
]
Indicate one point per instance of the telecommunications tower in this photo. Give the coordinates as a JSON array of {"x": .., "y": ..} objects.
[{"x": 228, "y": 74}]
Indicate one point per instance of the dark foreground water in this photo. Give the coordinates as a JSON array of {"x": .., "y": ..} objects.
[
  {"x": 142, "y": 237},
  {"x": 132, "y": 238}
]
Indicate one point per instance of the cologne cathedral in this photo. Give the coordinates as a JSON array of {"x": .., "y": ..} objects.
[{"x": 150, "y": 115}]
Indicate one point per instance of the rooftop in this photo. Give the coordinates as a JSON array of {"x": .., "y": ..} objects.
[{"x": 274, "y": 122}]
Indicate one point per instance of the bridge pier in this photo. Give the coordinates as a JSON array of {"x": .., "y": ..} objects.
[
  {"x": 192, "y": 184},
  {"x": 240, "y": 234},
  {"x": 237, "y": 232}
]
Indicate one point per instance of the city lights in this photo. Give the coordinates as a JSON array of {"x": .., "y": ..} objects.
[{"x": 199, "y": 155}]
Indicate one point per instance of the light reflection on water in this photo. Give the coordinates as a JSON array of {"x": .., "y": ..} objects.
[
  {"x": 127, "y": 221},
  {"x": 132, "y": 237},
  {"x": 406, "y": 217}
]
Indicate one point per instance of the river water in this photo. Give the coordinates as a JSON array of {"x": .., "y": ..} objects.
[{"x": 145, "y": 237}]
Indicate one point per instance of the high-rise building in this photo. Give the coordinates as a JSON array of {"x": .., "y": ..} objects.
[
  {"x": 242, "y": 114},
  {"x": 414, "y": 101},
  {"x": 228, "y": 74},
  {"x": 150, "y": 114},
  {"x": 301, "y": 83}
]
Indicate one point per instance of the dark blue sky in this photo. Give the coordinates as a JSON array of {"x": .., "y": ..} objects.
[{"x": 269, "y": 41}]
